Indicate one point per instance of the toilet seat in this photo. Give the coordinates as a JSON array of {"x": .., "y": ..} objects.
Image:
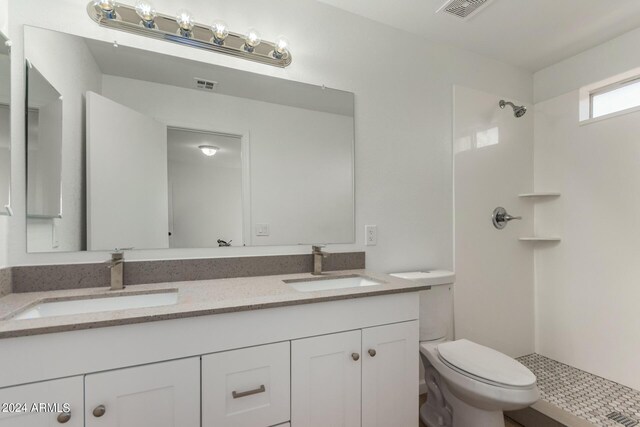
[{"x": 485, "y": 364}]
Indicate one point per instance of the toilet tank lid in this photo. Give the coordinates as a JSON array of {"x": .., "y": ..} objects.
[{"x": 428, "y": 277}]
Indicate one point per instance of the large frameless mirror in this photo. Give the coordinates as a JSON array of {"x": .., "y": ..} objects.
[
  {"x": 163, "y": 152},
  {"x": 5, "y": 126}
]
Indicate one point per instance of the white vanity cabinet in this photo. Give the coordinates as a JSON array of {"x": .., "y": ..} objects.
[
  {"x": 357, "y": 378},
  {"x": 350, "y": 363},
  {"x": 158, "y": 395},
  {"x": 67, "y": 390}
]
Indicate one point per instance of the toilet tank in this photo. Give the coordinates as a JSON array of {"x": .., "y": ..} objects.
[{"x": 436, "y": 304}]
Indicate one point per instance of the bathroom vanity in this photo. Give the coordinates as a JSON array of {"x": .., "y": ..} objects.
[{"x": 259, "y": 352}]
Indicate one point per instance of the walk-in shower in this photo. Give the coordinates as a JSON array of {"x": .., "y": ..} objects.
[{"x": 518, "y": 111}]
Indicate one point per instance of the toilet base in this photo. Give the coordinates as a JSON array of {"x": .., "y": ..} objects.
[
  {"x": 443, "y": 409},
  {"x": 462, "y": 417}
]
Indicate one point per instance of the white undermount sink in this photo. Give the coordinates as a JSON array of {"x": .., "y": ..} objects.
[
  {"x": 97, "y": 304},
  {"x": 331, "y": 283}
]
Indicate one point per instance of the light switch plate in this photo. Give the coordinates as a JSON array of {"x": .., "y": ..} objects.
[
  {"x": 370, "y": 235},
  {"x": 262, "y": 229}
]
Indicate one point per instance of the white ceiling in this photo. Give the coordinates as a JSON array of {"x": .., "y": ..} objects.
[{"x": 531, "y": 34}]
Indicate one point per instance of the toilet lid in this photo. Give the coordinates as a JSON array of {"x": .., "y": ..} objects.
[{"x": 486, "y": 363}]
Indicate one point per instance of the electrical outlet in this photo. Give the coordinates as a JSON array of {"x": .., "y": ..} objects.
[
  {"x": 262, "y": 229},
  {"x": 371, "y": 235}
]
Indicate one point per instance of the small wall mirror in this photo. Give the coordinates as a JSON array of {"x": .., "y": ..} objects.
[
  {"x": 163, "y": 152},
  {"x": 5, "y": 126}
]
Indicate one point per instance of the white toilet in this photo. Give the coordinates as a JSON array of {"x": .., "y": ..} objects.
[{"x": 468, "y": 385}]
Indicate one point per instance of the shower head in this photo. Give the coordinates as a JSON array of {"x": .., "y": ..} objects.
[{"x": 518, "y": 111}]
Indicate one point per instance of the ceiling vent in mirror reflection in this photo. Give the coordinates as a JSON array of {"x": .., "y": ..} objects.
[
  {"x": 463, "y": 9},
  {"x": 203, "y": 84}
]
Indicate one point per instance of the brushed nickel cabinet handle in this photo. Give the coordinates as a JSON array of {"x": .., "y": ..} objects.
[
  {"x": 355, "y": 356},
  {"x": 99, "y": 411},
  {"x": 63, "y": 417},
  {"x": 237, "y": 395},
  {"x": 372, "y": 352}
]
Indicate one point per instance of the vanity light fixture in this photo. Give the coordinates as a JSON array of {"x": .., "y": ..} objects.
[
  {"x": 107, "y": 8},
  {"x": 208, "y": 150},
  {"x": 220, "y": 32},
  {"x": 147, "y": 14},
  {"x": 142, "y": 19}
]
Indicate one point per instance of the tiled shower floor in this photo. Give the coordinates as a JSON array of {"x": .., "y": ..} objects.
[{"x": 583, "y": 394}]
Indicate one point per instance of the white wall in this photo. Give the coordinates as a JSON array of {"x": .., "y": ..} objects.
[
  {"x": 587, "y": 286},
  {"x": 79, "y": 74},
  {"x": 4, "y": 221},
  {"x": 493, "y": 162},
  {"x": 403, "y": 88},
  {"x": 590, "y": 66},
  {"x": 301, "y": 167},
  {"x": 206, "y": 204}
]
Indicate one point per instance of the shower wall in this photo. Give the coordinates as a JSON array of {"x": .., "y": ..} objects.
[
  {"x": 588, "y": 286},
  {"x": 493, "y": 163}
]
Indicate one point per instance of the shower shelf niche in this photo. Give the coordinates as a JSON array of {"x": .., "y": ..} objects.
[{"x": 535, "y": 196}]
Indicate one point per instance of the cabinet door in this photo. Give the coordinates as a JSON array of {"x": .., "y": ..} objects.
[
  {"x": 159, "y": 395},
  {"x": 68, "y": 390},
  {"x": 390, "y": 370},
  {"x": 325, "y": 381},
  {"x": 247, "y": 387}
]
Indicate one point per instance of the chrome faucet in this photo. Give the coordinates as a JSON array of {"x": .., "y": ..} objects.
[
  {"x": 318, "y": 257},
  {"x": 116, "y": 265}
]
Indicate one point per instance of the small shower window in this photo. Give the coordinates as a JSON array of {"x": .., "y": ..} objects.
[{"x": 615, "y": 98}]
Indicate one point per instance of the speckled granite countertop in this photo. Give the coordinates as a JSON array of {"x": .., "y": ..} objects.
[{"x": 196, "y": 298}]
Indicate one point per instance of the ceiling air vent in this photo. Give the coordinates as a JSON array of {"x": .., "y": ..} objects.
[
  {"x": 463, "y": 9},
  {"x": 202, "y": 84}
]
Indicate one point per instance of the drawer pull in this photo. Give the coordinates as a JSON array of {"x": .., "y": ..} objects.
[
  {"x": 64, "y": 417},
  {"x": 237, "y": 395}
]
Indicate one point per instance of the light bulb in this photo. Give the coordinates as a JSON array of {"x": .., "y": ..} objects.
[
  {"x": 208, "y": 150},
  {"x": 281, "y": 47},
  {"x": 146, "y": 12},
  {"x": 251, "y": 40},
  {"x": 107, "y": 8},
  {"x": 185, "y": 21},
  {"x": 220, "y": 31},
  {"x": 105, "y": 5}
]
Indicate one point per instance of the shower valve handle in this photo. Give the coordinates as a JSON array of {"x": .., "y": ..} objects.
[{"x": 500, "y": 218}]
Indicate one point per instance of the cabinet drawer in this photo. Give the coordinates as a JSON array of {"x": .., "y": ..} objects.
[{"x": 247, "y": 387}]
